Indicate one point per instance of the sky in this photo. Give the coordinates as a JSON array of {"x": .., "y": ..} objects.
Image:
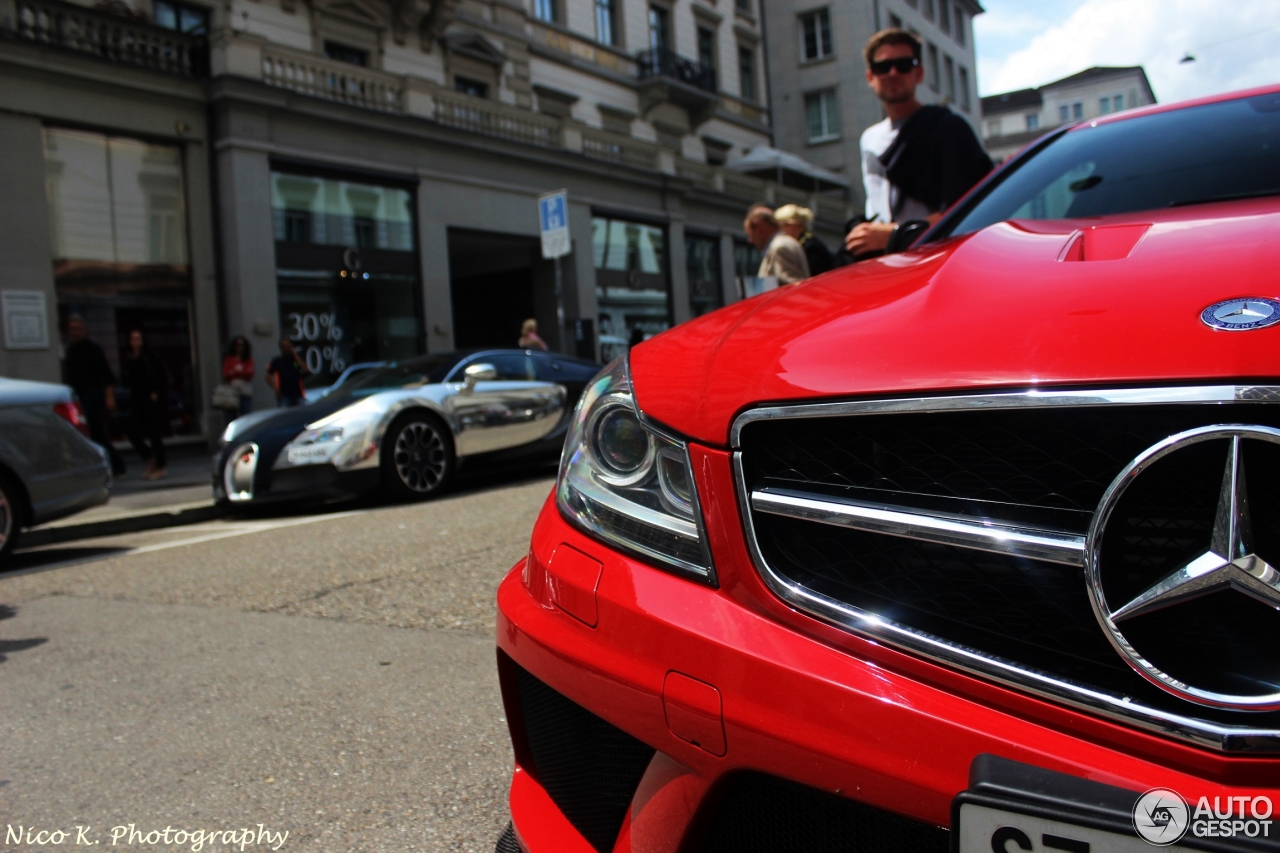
[{"x": 1024, "y": 43}]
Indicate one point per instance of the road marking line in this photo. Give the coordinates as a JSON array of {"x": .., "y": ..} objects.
[{"x": 240, "y": 530}]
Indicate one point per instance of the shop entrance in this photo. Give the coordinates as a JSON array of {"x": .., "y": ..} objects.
[{"x": 497, "y": 281}]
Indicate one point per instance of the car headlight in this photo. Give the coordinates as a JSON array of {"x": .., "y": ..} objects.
[
  {"x": 626, "y": 482},
  {"x": 343, "y": 439}
]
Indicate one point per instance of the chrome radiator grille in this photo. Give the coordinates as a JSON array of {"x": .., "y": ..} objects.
[{"x": 956, "y": 528}]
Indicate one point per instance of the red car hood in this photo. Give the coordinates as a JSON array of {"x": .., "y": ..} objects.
[{"x": 1099, "y": 302}]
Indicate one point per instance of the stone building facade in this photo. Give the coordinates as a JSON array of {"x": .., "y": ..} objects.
[{"x": 361, "y": 175}]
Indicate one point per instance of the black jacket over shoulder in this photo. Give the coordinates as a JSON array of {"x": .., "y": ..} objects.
[
  {"x": 936, "y": 158},
  {"x": 145, "y": 375}
]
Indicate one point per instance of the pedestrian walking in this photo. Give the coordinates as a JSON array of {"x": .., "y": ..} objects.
[
  {"x": 797, "y": 222},
  {"x": 918, "y": 161},
  {"x": 529, "y": 336},
  {"x": 148, "y": 383},
  {"x": 285, "y": 373},
  {"x": 86, "y": 370},
  {"x": 783, "y": 259},
  {"x": 237, "y": 371}
]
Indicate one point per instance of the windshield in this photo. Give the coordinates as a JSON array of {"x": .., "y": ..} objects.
[
  {"x": 1207, "y": 153},
  {"x": 412, "y": 373}
]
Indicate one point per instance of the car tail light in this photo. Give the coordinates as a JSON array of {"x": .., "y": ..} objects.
[{"x": 74, "y": 415}]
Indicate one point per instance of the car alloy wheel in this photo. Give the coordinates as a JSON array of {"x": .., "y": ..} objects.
[
  {"x": 421, "y": 460},
  {"x": 8, "y": 517}
]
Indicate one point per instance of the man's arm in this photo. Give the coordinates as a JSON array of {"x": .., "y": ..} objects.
[{"x": 874, "y": 236}]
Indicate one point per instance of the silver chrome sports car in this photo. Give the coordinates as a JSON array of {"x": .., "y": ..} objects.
[{"x": 403, "y": 428}]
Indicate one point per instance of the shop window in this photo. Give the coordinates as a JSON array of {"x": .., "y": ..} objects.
[
  {"x": 346, "y": 271},
  {"x": 702, "y": 266},
  {"x": 632, "y": 289},
  {"x": 746, "y": 263},
  {"x": 192, "y": 20},
  {"x": 119, "y": 241}
]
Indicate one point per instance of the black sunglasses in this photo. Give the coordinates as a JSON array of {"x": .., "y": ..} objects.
[{"x": 904, "y": 65}]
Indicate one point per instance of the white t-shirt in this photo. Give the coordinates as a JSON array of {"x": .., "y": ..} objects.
[{"x": 881, "y": 195}]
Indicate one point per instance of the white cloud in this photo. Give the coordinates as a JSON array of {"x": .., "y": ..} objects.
[{"x": 1236, "y": 44}]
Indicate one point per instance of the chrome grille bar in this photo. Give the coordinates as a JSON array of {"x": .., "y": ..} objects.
[{"x": 1049, "y": 545}]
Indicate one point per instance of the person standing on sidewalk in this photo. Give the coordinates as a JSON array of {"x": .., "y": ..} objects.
[
  {"x": 529, "y": 336},
  {"x": 237, "y": 371},
  {"x": 148, "y": 383},
  {"x": 285, "y": 373},
  {"x": 921, "y": 159},
  {"x": 783, "y": 258},
  {"x": 797, "y": 221},
  {"x": 86, "y": 370}
]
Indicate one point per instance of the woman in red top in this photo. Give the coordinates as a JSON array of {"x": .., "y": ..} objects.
[{"x": 237, "y": 370}]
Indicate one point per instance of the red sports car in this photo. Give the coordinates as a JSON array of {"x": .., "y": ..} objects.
[{"x": 963, "y": 548}]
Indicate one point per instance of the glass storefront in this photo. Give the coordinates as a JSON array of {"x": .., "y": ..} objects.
[
  {"x": 702, "y": 264},
  {"x": 120, "y": 255},
  {"x": 746, "y": 263},
  {"x": 632, "y": 287},
  {"x": 347, "y": 271}
]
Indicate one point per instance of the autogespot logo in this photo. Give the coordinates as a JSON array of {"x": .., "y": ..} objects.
[{"x": 1162, "y": 817}]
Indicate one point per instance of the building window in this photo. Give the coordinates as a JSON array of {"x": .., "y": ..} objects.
[
  {"x": 702, "y": 267},
  {"x": 822, "y": 115},
  {"x": 960, "y": 27},
  {"x": 659, "y": 28},
  {"x": 1117, "y": 103},
  {"x": 706, "y": 47},
  {"x": 747, "y": 72},
  {"x": 1033, "y": 121},
  {"x": 545, "y": 10},
  {"x": 744, "y": 6},
  {"x": 815, "y": 35},
  {"x": 934, "y": 69},
  {"x": 993, "y": 127},
  {"x": 930, "y": 12},
  {"x": 606, "y": 22},
  {"x": 631, "y": 282},
  {"x": 1104, "y": 106},
  {"x": 944, "y": 16},
  {"x": 895, "y": 22},
  {"x": 474, "y": 88},
  {"x": 964, "y": 89},
  {"x": 180, "y": 17},
  {"x": 344, "y": 53},
  {"x": 1066, "y": 112},
  {"x": 1077, "y": 110},
  {"x": 950, "y": 78}
]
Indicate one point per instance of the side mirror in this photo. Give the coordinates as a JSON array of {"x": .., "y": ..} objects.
[
  {"x": 479, "y": 373},
  {"x": 904, "y": 235}
]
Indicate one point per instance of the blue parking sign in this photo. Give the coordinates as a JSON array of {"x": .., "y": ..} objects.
[{"x": 553, "y": 223}]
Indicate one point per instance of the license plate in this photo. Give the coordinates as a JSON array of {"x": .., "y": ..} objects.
[
  {"x": 984, "y": 829},
  {"x": 310, "y": 454}
]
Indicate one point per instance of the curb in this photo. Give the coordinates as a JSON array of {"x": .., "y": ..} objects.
[{"x": 128, "y": 524}]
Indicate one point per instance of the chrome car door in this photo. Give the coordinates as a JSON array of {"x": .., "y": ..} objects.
[{"x": 511, "y": 409}]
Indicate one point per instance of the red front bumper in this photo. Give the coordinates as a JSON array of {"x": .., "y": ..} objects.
[{"x": 800, "y": 700}]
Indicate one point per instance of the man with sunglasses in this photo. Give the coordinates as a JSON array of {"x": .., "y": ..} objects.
[{"x": 918, "y": 161}]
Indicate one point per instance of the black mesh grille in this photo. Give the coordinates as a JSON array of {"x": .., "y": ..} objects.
[
  {"x": 589, "y": 768},
  {"x": 507, "y": 841},
  {"x": 764, "y": 814},
  {"x": 1046, "y": 467}
]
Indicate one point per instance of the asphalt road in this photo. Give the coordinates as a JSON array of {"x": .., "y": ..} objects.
[{"x": 329, "y": 674}]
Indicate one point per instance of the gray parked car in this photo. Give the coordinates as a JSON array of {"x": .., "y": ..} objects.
[{"x": 48, "y": 467}]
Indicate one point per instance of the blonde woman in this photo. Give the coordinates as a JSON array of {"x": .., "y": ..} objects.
[
  {"x": 797, "y": 222},
  {"x": 529, "y": 336}
]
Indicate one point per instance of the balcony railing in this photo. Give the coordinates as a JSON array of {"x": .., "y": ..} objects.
[
  {"x": 115, "y": 39},
  {"x": 493, "y": 118},
  {"x": 660, "y": 62},
  {"x": 616, "y": 148},
  {"x": 314, "y": 75}
]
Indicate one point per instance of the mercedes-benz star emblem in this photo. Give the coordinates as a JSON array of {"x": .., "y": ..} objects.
[
  {"x": 1229, "y": 562},
  {"x": 1240, "y": 315}
]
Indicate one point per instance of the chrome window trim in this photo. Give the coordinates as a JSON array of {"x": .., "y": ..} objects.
[{"x": 1228, "y": 739}]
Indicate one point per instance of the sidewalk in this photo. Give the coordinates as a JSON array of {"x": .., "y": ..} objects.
[{"x": 184, "y": 497}]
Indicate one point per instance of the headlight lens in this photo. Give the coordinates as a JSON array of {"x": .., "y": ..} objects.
[{"x": 625, "y": 482}]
